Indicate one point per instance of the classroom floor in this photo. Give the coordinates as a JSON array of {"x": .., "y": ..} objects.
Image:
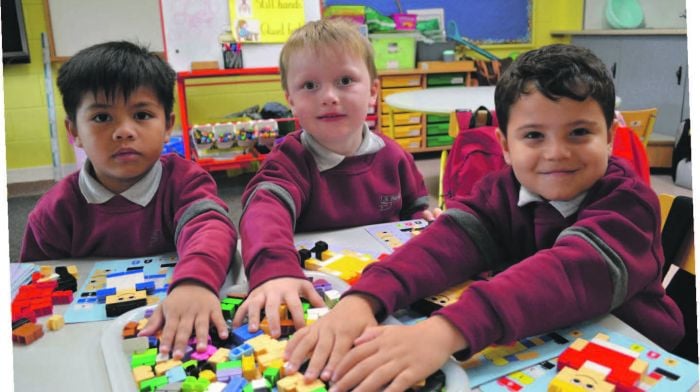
[{"x": 23, "y": 196}]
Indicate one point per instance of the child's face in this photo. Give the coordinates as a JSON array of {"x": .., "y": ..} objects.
[
  {"x": 123, "y": 140},
  {"x": 557, "y": 149},
  {"x": 330, "y": 92}
]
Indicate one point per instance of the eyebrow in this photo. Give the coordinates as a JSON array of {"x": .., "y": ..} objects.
[{"x": 575, "y": 123}]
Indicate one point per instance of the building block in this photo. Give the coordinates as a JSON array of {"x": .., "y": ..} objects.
[
  {"x": 143, "y": 372},
  {"x": 208, "y": 374},
  {"x": 203, "y": 356},
  {"x": 236, "y": 384},
  {"x": 55, "y": 322},
  {"x": 164, "y": 366},
  {"x": 152, "y": 384},
  {"x": 220, "y": 355},
  {"x": 176, "y": 374},
  {"x": 135, "y": 344},
  {"x": 241, "y": 334},
  {"x": 237, "y": 352},
  {"x": 62, "y": 297},
  {"x": 27, "y": 333},
  {"x": 147, "y": 357}
]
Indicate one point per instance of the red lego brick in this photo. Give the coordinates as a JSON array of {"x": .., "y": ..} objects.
[{"x": 62, "y": 297}]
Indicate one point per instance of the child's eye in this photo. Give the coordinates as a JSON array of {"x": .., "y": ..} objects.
[
  {"x": 533, "y": 135},
  {"x": 143, "y": 116},
  {"x": 309, "y": 85},
  {"x": 100, "y": 117},
  {"x": 580, "y": 132},
  {"x": 345, "y": 81}
]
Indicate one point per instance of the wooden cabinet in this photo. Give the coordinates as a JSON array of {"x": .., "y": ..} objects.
[{"x": 417, "y": 131}]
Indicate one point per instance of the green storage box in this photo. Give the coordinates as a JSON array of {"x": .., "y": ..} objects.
[
  {"x": 447, "y": 79},
  {"x": 394, "y": 51},
  {"x": 437, "y": 118},
  {"x": 438, "y": 129},
  {"x": 440, "y": 140}
]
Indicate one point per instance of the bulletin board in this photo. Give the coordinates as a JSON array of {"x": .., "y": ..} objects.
[
  {"x": 191, "y": 30},
  {"x": 77, "y": 24},
  {"x": 503, "y": 21}
]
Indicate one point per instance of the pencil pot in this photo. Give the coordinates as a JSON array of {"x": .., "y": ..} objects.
[
  {"x": 267, "y": 132},
  {"x": 203, "y": 136},
  {"x": 405, "y": 21},
  {"x": 245, "y": 134},
  {"x": 225, "y": 135}
]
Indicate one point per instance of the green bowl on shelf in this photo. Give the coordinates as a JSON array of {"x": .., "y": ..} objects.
[{"x": 624, "y": 14}]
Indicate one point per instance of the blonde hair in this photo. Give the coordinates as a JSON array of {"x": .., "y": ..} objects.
[{"x": 325, "y": 33}]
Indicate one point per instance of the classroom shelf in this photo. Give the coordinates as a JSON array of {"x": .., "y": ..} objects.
[{"x": 230, "y": 75}]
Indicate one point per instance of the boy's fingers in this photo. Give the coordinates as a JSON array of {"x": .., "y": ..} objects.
[
  {"x": 253, "y": 316},
  {"x": 296, "y": 310},
  {"x": 241, "y": 313},
  {"x": 272, "y": 313},
  {"x": 302, "y": 342},
  {"x": 217, "y": 318},
  {"x": 324, "y": 346},
  {"x": 201, "y": 329},
  {"x": 341, "y": 347},
  {"x": 182, "y": 335},
  {"x": 154, "y": 322},
  {"x": 314, "y": 298}
]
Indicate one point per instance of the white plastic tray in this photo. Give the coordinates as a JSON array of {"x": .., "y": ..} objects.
[{"x": 119, "y": 368}]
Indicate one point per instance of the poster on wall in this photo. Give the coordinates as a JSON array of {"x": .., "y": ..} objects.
[{"x": 265, "y": 21}]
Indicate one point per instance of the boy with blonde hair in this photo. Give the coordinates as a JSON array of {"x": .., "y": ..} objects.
[{"x": 332, "y": 174}]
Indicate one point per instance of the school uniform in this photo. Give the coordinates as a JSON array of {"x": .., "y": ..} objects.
[
  {"x": 174, "y": 207},
  {"x": 560, "y": 263},
  {"x": 303, "y": 186}
]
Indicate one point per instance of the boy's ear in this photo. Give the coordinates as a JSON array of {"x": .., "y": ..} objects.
[
  {"x": 503, "y": 140},
  {"x": 73, "y": 132},
  {"x": 374, "y": 91},
  {"x": 169, "y": 124}
]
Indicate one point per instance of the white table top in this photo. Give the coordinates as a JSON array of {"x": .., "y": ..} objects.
[
  {"x": 443, "y": 99},
  {"x": 51, "y": 362}
]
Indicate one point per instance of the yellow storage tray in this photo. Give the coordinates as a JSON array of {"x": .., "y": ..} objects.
[
  {"x": 401, "y": 81},
  {"x": 404, "y": 131},
  {"x": 409, "y": 143},
  {"x": 407, "y": 118}
]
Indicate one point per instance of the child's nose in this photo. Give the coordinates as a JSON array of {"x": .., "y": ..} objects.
[
  {"x": 124, "y": 130},
  {"x": 329, "y": 96},
  {"x": 557, "y": 150}
]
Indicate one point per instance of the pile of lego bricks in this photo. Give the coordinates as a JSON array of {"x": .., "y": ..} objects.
[
  {"x": 243, "y": 362},
  {"x": 49, "y": 286}
]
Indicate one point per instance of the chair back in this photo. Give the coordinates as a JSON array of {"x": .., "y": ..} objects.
[{"x": 641, "y": 122}]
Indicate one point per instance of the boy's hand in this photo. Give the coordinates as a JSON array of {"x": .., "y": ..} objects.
[
  {"x": 431, "y": 215},
  {"x": 269, "y": 296},
  {"x": 189, "y": 306},
  {"x": 328, "y": 339},
  {"x": 394, "y": 358}
]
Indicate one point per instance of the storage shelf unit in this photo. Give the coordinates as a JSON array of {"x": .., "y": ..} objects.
[
  {"x": 418, "y": 131},
  {"x": 232, "y": 76}
]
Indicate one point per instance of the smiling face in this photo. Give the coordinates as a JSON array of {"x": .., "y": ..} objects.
[
  {"x": 558, "y": 149},
  {"x": 122, "y": 139},
  {"x": 330, "y": 91}
]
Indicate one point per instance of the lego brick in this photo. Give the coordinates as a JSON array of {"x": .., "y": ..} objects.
[
  {"x": 27, "y": 333},
  {"x": 55, "y": 322}
]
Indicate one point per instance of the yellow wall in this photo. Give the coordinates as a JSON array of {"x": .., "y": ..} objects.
[{"x": 26, "y": 111}]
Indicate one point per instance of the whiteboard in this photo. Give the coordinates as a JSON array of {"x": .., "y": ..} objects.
[
  {"x": 191, "y": 29},
  {"x": 77, "y": 24}
]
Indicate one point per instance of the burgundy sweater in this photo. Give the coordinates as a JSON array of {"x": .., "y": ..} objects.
[
  {"x": 185, "y": 215},
  {"x": 555, "y": 271},
  {"x": 290, "y": 194}
]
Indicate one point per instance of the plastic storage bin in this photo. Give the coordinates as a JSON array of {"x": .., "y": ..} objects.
[{"x": 394, "y": 51}]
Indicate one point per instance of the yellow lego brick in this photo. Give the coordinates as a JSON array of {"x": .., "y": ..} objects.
[
  {"x": 250, "y": 371},
  {"x": 73, "y": 270},
  {"x": 326, "y": 254},
  {"x": 289, "y": 383},
  {"x": 141, "y": 324},
  {"x": 522, "y": 378},
  {"x": 141, "y": 373},
  {"x": 312, "y": 264},
  {"x": 208, "y": 374},
  {"x": 163, "y": 367},
  {"x": 260, "y": 343},
  {"x": 221, "y": 355},
  {"x": 125, "y": 295},
  {"x": 55, "y": 322},
  {"x": 46, "y": 270},
  {"x": 313, "y": 385}
]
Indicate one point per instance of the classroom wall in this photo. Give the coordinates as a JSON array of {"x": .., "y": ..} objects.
[{"x": 26, "y": 111}]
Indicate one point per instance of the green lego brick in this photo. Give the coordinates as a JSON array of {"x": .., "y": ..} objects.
[
  {"x": 229, "y": 365},
  {"x": 147, "y": 357},
  {"x": 152, "y": 383}
]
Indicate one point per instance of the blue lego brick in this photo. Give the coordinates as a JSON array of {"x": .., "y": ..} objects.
[
  {"x": 81, "y": 300},
  {"x": 148, "y": 286},
  {"x": 154, "y": 276},
  {"x": 241, "y": 334},
  {"x": 176, "y": 374},
  {"x": 236, "y": 384},
  {"x": 239, "y": 351},
  {"x": 103, "y": 293},
  {"x": 152, "y": 341}
]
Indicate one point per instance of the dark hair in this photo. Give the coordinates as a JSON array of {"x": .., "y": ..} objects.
[
  {"x": 112, "y": 68},
  {"x": 556, "y": 71}
]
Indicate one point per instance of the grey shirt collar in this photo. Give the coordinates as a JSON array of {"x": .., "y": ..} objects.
[
  {"x": 327, "y": 159},
  {"x": 566, "y": 208},
  {"x": 140, "y": 193}
]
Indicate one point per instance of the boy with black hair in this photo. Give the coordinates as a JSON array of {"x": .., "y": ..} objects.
[
  {"x": 572, "y": 232},
  {"x": 129, "y": 201}
]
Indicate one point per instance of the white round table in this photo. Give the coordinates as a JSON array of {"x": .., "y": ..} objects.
[{"x": 444, "y": 99}]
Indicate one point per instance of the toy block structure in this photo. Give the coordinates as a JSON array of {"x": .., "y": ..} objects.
[
  {"x": 123, "y": 301},
  {"x": 27, "y": 333},
  {"x": 598, "y": 364},
  {"x": 347, "y": 265}
]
